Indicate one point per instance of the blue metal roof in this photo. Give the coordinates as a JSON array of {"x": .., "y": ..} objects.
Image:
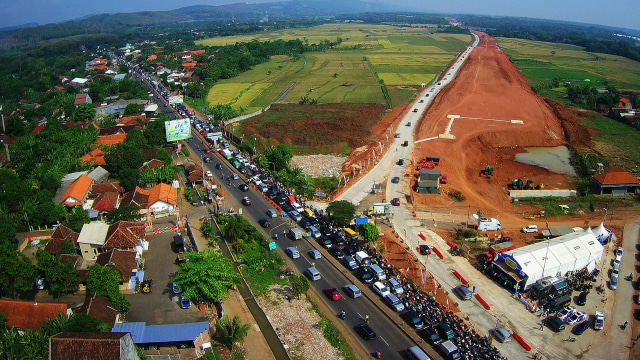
[{"x": 142, "y": 334}]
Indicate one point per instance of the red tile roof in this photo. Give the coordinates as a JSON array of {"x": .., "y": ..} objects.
[
  {"x": 152, "y": 164},
  {"x": 95, "y": 346},
  {"x": 139, "y": 120},
  {"x": 124, "y": 235},
  {"x": 122, "y": 261},
  {"x": 624, "y": 100},
  {"x": 100, "y": 307},
  {"x": 138, "y": 197},
  {"x": 163, "y": 192},
  {"x": 617, "y": 176},
  {"x": 27, "y": 315},
  {"x": 106, "y": 202},
  {"x": 95, "y": 156},
  {"x": 61, "y": 234},
  {"x": 38, "y": 128},
  {"x": 107, "y": 187},
  {"x": 77, "y": 192},
  {"x": 80, "y": 99},
  {"x": 111, "y": 140}
]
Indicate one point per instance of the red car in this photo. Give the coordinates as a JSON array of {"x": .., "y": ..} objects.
[
  {"x": 208, "y": 151},
  {"x": 395, "y": 202},
  {"x": 332, "y": 293}
]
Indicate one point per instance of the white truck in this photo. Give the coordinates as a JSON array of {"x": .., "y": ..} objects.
[
  {"x": 295, "y": 234},
  {"x": 484, "y": 224},
  {"x": 379, "y": 209}
]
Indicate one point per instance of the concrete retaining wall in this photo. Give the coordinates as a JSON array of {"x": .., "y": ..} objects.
[{"x": 541, "y": 193}]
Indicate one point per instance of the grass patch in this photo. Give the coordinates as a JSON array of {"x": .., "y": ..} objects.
[
  {"x": 401, "y": 95},
  {"x": 621, "y": 140},
  {"x": 406, "y": 79},
  {"x": 333, "y": 336},
  {"x": 260, "y": 282},
  {"x": 577, "y": 205}
]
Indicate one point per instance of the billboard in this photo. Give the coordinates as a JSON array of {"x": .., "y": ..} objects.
[
  {"x": 177, "y": 129},
  {"x": 175, "y": 100}
]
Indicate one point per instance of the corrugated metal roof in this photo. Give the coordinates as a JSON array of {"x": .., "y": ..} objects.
[{"x": 143, "y": 334}]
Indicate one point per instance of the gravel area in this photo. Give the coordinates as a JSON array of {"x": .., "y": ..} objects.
[
  {"x": 297, "y": 326},
  {"x": 319, "y": 165}
]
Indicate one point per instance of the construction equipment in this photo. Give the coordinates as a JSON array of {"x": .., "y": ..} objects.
[
  {"x": 443, "y": 179},
  {"x": 540, "y": 186},
  {"x": 428, "y": 163},
  {"x": 488, "y": 170},
  {"x": 529, "y": 185},
  {"x": 517, "y": 184}
]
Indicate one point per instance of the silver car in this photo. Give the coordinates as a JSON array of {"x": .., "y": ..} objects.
[{"x": 395, "y": 303}]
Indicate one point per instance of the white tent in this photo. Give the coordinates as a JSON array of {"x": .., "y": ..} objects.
[{"x": 557, "y": 256}]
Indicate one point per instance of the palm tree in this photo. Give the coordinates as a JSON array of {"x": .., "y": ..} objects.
[
  {"x": 231, "y": 331},
  {"x": 233, "y": 229}
]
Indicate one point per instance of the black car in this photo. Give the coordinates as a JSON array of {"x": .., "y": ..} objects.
[
  {"x": 243, "y": 187},
  {"x": 337, "y": 240},
  {"x": 414, "y": 319},
  {"x": 365, "y": 331},
  {"x": 336, "y": 252},
  {"x": 401, "y": 162},
  {"x": 582, "y": 298},
  {"x": 264, "y": 223},
  {"x": 580, "y": 328},
  {"x": 287, "y": 208},
  {"x": 349, "y": 250},
  {"x": 325, "y": 242},
  {"x": 424, "y": 250},
  {"x": 207, "y": 159},
  {"x": 246, "y": 202},
  {"x": 219, "y": 166},
  {"x": 554, "y": 323},
  {"x": 365, "y": 274},
  {"x": 325, "y": 230}
]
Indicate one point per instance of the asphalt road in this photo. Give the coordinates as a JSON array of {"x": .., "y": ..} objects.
[{"x": 390, "y": 341}]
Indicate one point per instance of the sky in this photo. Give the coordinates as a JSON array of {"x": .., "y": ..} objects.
[{"x": 618, "y": 13}]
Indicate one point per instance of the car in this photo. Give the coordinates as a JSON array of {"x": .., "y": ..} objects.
[
  {"x": 235, "y": 176},
  {"x": 264, "y": 223},
  {"x": 207, "y": 150},
  {"x": 40, "y": 284},
  {"x": 332, "y": 293},
  {"x": 409, "y": 123},
  {"x": 315, "y": 254},
  {"x": 395, "y": 286},
  {"x": 421, "y": 101},
  {"x": 381, "y": 289},
  {"x": 400, "y": 162},
  {"x": 424, "y": 250},
  {"x": 613, "y": 283},
  {"x": 365, "y": 275},
  {"x": 616, "y": 265},
  {"x": 292, "y": 252},
  {"x": 175, "y": 289},
  {"x": 599, "y": 323},
  {"x": 414, "y": 319},
  {"x": 336, "y": 252},
  {"x": 395, "y": 202},
  {"x": 243, "y": 187},
  {"x": 350, "y": 263},
  {"x": 566, "y": 312},
  {"x": 185, "y": 303},
  {"x": 207, "y": 159},
  {"x": 576, "y": 317},
  {"x": 365, "y": 331},
  {"x": 500, "y": 334},
  {"x": 431, "y": 335},
  {"x": 145, "y": 287},
  {"x": 246, "y": 201},
  {"x": 337, "y": 239},
  {"x": 352, "y": 291},
  {"x": 619, "y": 252},
  {"x": 395, "y": 180},
  {"x": 272, "y": 213},
  {"x": 554, "y": 323},
  {"x": 208, "y": 174},
  {"x": 530, "y": 229},
  {"x": 325, "y": 242},
  {"x": 394, "y": 302},
  {"x": 582, "y": 298},
  {"x": 580, "y": 328}
]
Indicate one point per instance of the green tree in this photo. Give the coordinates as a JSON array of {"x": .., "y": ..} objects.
[
  {"x": 62, "y": 278},
  {"x": 76, "y": 220},
  {"x": 85, "y": 323},
  {"x": 84, "y": 112},
  {"x": 370, "y": 232},
  {"x": 124, "y": 156},
  {"x": 128, "y": 212},
  {"x": 106, "y": 121},
  {"x": 343, "y": 211},
  {"x": 207, "y": 229},
  {"x": 119, "y": 302},
  {"x": 164, "y": 156},
  {"x": 206, "y": 276},
  {"x": 231, "y": 331},
  {"x": 136, "y": 137},
  {"x": 129, "y": 178},
  {"x": 17, "y": 273},
  {"x": 155, "y": 132},
  {"x": 68, "y": 248},
  {"x": 233, "y": 228},
  {"x": 102, "y": 280},
  {"x": 15, "y": 125},
  {"x": 299, "y": 284},
  {"x": 279, "y": 156}
]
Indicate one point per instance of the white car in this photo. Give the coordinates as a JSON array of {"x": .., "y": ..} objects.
[
  {"x": 530, "y": 229},
  {"x": 235, "y": 176},
  {"x": 599, "y": 325},
  {"x": 576, "y": 317},
  {"x": 382, "y": 290},
  {"x": 619, "y": 253},
  {"x": 566, "y": 312},
  {"x": 208, "y": 174}
]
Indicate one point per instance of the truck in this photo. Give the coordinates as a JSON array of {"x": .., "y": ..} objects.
[
  {"x": 484, "y": 224},
  {"x": 296, "y": 234},
  {"x": 379, "y": 209},
  {"x": 498, "y": 249},
  {"x": 450, "y": 350},
  {"x": 362, "y": 258}
]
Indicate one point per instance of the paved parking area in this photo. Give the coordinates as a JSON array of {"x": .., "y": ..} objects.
[{"x": 161, "y": 305}]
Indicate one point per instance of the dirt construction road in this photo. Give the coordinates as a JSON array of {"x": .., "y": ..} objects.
[{"x": 488, "y": 88}]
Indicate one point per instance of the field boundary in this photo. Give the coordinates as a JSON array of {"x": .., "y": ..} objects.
[{"x": 246, "y": 116}]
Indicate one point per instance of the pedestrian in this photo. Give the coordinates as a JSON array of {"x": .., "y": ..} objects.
[
  {"x": 474, "y": 289},
  {"x": 366, "y": 319}
]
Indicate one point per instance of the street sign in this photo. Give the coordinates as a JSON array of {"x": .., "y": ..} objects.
[{"x": 272, "y": 246}]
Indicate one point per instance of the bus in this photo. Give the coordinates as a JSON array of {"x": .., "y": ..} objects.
[{"x": 350, "y": 234}]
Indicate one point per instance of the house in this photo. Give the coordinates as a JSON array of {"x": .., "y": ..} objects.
[
  {"x": 119, "y": 129},
  {"x": 99, "y": 307},
  {"x": 105, "y": 202},
  {"x": 152, "y": 57},
  {"x": 96, "y": 156},
  {"x": 78, "y": 191},
  {"x": 78, "y": 82},
  {"x": 28, "y": 315},
  {"x": 111, "y": 140},
  {"x": 95, "y": 346},
  {"x": 60, "y": 235},
  {"x": 92, "y": 238},
  {"x": 194, "y": 172},
  {"x": 65, "y": 183},
  {"x": 194, "y": 335},
  {"x": 109, "y": 187},
  {"x": 38, "y": 128},
  {"x": 428, "y": 182},
  {"x": 140, "y": 120},
  {"x": 137, "y": 197},
  {"x": 122, "y": 261},
  {"x": 151, "y": 164},
  {"x": 82, "y": 99},
  {"x": 97, "y": 237},
  {"x": 616, "y": 181},
  {"x": 163, "y": 200},
  {"x": 99, "y": 175},
  {"x": 95, "y": 64},
  {"x": 118, "y": 106}
]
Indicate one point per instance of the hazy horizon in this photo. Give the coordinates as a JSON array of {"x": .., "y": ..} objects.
[{"x": 621, "y": 13}]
